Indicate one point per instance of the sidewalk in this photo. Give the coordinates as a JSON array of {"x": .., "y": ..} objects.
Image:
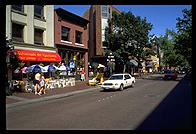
[{"x": 21, "y": 97}]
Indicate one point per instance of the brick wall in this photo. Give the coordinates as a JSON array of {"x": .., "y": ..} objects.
[
  {"x": 73, "y": 27},
  {"x": 95, "y": 35}
]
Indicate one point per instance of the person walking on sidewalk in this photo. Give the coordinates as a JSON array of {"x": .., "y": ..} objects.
[
  {"x": 36, "y": 81},
  {"x": 82, "y": 75},
  {"x": 42, "y": 85}
]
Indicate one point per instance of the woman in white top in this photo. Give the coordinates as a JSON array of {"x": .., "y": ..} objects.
[
  {"x": 42, "y": 85},
  {"x": 36, "y": 82}
]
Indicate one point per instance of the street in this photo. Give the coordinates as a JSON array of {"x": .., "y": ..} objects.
[{"x": 151, "y": 104}]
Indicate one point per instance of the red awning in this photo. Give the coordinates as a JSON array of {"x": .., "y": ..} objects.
[{"x": 27, "y": 55}]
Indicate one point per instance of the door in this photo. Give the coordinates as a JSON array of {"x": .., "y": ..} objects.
[{"x": 128, "y": 80}]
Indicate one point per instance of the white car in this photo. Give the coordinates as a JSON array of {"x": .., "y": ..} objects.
[{"x": 118, "y": 81}]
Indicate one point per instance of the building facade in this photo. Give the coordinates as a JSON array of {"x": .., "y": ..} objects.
[
  {"x": 71, "y": 40},
  {"x": 98, "y": 16},
  {"x": 31, "y": 29}
]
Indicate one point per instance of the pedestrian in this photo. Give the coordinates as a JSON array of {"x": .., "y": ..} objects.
[
  {"x": 42, "y": 85},
  {"x": 82, "y": 75},
  {"x": 36, "y": 82}
]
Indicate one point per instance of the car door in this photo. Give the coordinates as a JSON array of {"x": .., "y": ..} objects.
[{"x": 128, "y": 80}]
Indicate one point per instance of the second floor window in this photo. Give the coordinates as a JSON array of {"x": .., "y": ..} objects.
[
  {"x": 18, "y": 8},
  {"x": 39, "y": 11},
  {"x": 78, "y": 37},
  {"x": 104, "y": 10},
  {"x": 17, "y": 32},
  {"x": 38, "y": 36},
  {"x": 65, "y": 33}
]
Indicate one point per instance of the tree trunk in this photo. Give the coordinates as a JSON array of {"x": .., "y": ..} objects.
[{"x": 124, "y": 68}]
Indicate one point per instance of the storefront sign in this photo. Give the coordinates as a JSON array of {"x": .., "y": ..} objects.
[{"x": 25, "y": 55}]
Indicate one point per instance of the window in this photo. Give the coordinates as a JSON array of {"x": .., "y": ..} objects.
[
  {"x": 17, "y": 32},
  {"x": 65, "y": 33},
  {"x": 39, "y": 11},
  {"x": 78, "y": 37},
  {"x": 127, "y": 77},
  {"x": 104, "y": 10},
  {"x": 18, "y": 8},
  {"x": 104, "y": 15},
  {"x": 38, "y": 36}
]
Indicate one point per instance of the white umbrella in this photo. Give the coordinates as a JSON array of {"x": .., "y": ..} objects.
[
  {"x": 100, "y": 65},
  {"x": 62, "y": 68}
]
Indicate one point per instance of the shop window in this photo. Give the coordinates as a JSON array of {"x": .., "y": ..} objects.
[
  {"x": 65, "y": 33},
  {"x": 18, "y": 8},
  {"x": 38, "y": 36},
  {"x": 17, "y": 32},
  {"x": 39, "y": 11},
  {"x": 78, "y": 37}
]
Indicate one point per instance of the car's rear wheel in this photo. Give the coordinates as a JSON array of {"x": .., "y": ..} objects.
[{"x": 121, "y": 87}]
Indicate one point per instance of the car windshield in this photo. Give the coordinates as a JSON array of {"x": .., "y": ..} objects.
[
  {"x": 170, "y": 72},
  {"x": 116, "y": 77}
]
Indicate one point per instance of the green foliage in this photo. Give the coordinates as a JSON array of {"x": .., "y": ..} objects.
[
  {"x": 183, "y": 40},
  {"x": 171, "y": 57},
  {"x": 127, "y": 35}
]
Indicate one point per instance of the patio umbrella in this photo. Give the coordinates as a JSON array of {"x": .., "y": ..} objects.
[
  {"x": 132, "y": 63},
  {"x": 51, "y": 68},
  {"x": 17, "y": 70},
  {"x": 24, "y": 70},
  {"x": 62, "y": 68},
  {"x": 100, "y": 65},
  {"x": 35, "y": 68},
  {"x": 94, "y": 64}
]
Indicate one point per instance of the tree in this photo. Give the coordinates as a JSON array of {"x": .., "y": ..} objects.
[
  {"x": 167, "y": 45},
  {"x": 127, "y": 35},
  {"x": 183, "y": 40}
]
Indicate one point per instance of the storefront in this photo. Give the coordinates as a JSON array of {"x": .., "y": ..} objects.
[
  {"x": 75, "y": 58},
  {"x": 71, "y": 41},
  {"x": 23, "y": 58}
]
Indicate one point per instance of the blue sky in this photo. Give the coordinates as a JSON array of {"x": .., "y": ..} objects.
[{"x": 161, "y": 16}]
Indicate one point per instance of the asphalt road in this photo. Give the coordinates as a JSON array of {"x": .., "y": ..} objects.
[{"x": 146, "y": 106}]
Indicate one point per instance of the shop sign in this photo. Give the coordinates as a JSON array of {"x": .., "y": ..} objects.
[{"x": 25, "y": 55}]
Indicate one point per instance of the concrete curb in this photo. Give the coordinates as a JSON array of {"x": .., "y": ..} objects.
[{"x": 29, "y": 101}]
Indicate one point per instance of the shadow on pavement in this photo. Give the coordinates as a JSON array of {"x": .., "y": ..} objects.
[
  {"x": 174, "y": 112},
  {"x": 160, "y": 78}
]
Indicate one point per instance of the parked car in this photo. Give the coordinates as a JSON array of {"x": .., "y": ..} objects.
[
  {"x": 119, "y": 81},
  {"x": 170, "y": 75},
  {"x": 181, "y": 72}
]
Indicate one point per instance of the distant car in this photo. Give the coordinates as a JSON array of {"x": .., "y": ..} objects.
[
  {"x": 119, "y": 82},
  {"x": 170, "y": 75},
  {"x": 181, "y": 72}
]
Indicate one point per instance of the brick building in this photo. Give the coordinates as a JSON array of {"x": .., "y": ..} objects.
[
  {"x": 71, "y": 40},
  {"x": 98, "y": 16}
]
